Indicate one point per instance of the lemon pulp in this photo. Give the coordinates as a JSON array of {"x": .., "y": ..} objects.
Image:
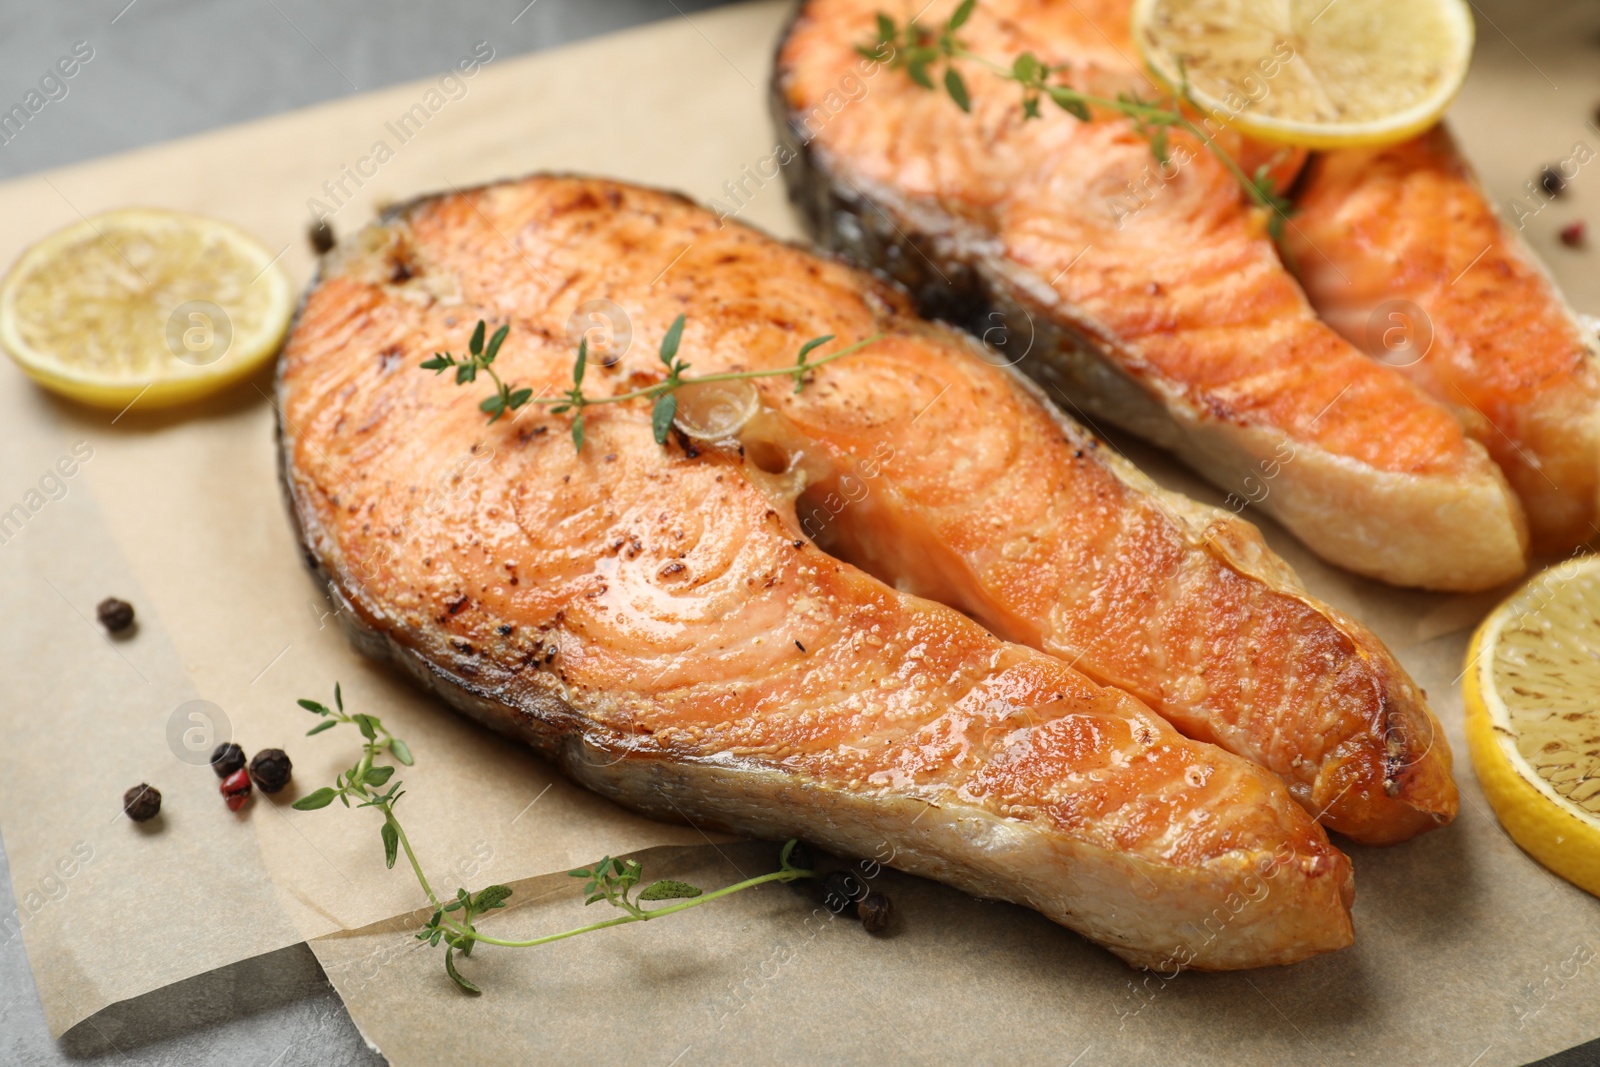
[{"x": 1315, "y": 73}]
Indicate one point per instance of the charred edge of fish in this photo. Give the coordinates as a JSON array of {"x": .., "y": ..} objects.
[
  {"x": 839, "y": 220},
  {"x": 1067, "y": 356},
  {"x": 1395, "y": 745}
]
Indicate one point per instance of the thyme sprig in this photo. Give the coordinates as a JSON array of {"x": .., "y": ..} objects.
[
  {"x": 663, "y": 394},
  {"x": 453, "y": 921},
  {"x": 480, "y": 357},
  {"x": 917, "y": 50}
]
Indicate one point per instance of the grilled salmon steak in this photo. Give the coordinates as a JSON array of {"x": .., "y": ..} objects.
[
  {"x": 1149, "y": 296},
  {"x": 656, "y": 620},
  {"x": 1401, "y": 252}
]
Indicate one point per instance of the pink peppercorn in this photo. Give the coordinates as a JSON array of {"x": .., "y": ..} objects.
[{"x": 236, "y": 789}]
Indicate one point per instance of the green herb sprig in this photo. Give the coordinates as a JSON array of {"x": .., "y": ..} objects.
[
  {"x": 453, "y": 922},
  {"x": 916, "y": 49},
  {"x": 663, "y": 394},
  {"x": 481, "y": 358}
]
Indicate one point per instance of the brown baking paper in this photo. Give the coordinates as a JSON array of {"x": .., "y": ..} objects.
[{"x": 1465, "y": 948}]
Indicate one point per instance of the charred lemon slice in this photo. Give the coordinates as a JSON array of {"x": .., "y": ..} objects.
[
  {"x": 141, "y": 304},
  {"x": 1316, "y": 73},
  {"x": 1532, "y": 690}
]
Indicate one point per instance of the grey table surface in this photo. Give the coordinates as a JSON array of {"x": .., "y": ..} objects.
[{"x": 165, "y": 69}]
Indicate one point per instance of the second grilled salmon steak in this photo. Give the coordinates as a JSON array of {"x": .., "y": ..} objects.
[
  {"x": 1151, "y": 297},
  {"x": 653, "y": 618},
  {"x": 1402, "y": 253}
]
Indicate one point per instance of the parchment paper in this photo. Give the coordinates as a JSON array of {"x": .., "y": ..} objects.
[{"x": 1467, "y": 951}]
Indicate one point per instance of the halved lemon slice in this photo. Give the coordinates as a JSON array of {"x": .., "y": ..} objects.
[
  {"x": 1316, "y": 73},
  {"x": 143, "y": 304},
  {"x": 1532, "y": 691}
]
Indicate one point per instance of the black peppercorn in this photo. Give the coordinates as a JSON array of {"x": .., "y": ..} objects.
[
  {"x": 270, "y": 769},
  {"x": 1551, "y": 182},
  {"x": 226, "y": 758},
  {"x": 875, "y": 911},
  {"x": 115, "y": 615},
  {"x": 321, "y": 237},
  {"x": 840, "y": 891},
  {"x": 142, "y": 803},
  {"x": 800, "y": 857}
]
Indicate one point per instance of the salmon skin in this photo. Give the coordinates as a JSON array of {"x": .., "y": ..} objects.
[
  {"x": 1150, "y": 297},
  {"x": 1402, "y": 253},
  {"x": 655, "y": 620}
]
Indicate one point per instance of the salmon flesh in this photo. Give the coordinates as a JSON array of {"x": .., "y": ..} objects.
[
  {"x": 1145, "y": 294},
  {"x": 1402, "y": 253},
  {"x": 661, "y": 622}
]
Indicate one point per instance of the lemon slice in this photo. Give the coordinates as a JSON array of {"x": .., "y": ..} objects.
[
  {"x": 1316, "y": 73},
  {"x": 141, "y": 304},
  {"x": 1532, "y": 691}
]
